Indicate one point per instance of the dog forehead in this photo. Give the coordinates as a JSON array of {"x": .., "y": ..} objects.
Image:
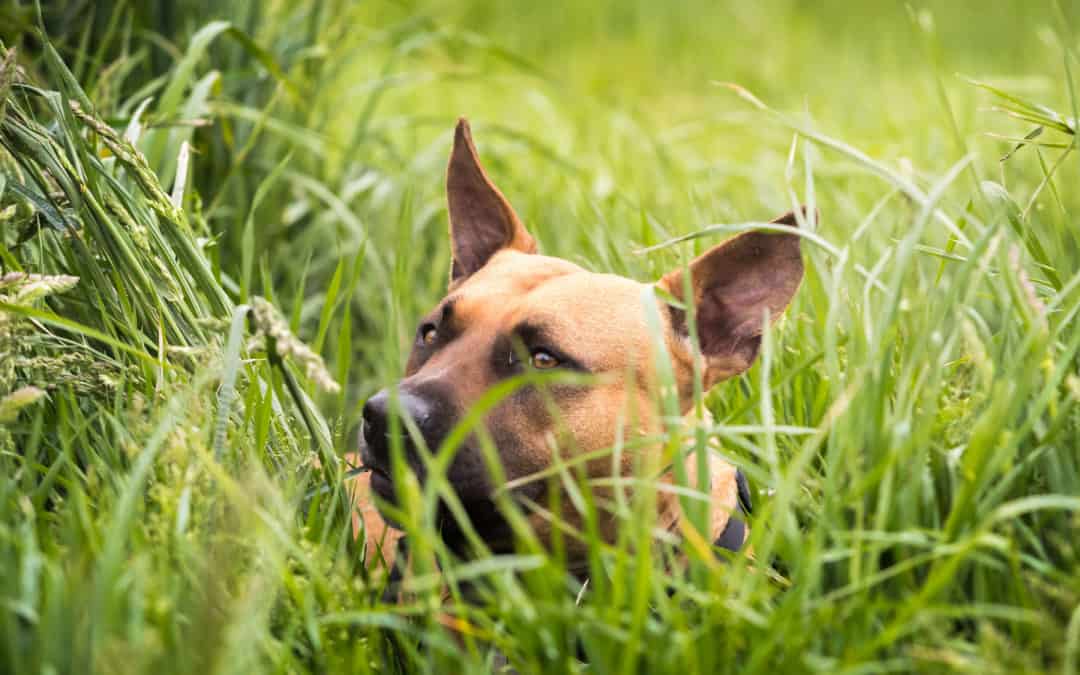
[
  {"x": 514, "y": 284},
  {"x": 514, "y": 273},
  {"x": 601, "y": 318},
  {"x": 590, "y": 298}
]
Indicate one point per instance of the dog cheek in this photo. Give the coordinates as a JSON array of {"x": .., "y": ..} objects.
[
  {"x": 520, "y": 437},
  {"x": 563, "y": 414},
  {"x": 469, "y": 476},
  {"x": 515, "y": 437}
]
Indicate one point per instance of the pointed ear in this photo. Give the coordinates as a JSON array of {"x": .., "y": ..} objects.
[
  {"x": 734, "y": 284},
  {"x": 482, "y": 222}
]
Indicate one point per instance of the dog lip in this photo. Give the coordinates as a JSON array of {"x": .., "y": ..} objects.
[
  {"x": 375, "y": 470},
  {"x": 381, "y": 483},
  {"x": 379, "y": 479}
]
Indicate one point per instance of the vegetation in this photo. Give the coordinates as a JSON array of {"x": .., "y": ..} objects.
[{"x": 218, "y": 222}]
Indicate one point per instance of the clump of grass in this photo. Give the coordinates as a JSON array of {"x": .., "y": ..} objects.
[
  {"x": 171, "y": 496},
  {"x": 109, "y": 305}
]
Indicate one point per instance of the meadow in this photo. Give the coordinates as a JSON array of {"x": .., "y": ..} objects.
[{"x": 219, "y": 222}]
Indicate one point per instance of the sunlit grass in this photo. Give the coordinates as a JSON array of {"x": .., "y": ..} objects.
[{"x": 174, "y": 501}]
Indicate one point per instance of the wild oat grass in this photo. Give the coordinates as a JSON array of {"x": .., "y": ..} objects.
[{"x": 213, "y": 213}]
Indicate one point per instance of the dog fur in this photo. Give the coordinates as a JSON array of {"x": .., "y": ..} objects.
[{"x": 507, "y": 303}]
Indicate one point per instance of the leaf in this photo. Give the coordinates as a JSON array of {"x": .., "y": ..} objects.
[
  {"x": 248, "y": 237},
  {"x": 1031, "y": 135}
]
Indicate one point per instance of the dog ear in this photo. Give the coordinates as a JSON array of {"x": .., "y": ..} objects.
[
  {"x": 482, "y": 222},
  {"x": 733, "y": 285}
]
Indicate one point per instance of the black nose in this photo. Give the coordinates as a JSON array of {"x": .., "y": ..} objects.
[{"x": 377, "y": 430}]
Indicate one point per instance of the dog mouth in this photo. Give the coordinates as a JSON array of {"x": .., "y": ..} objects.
[
  {"x": 467, "y": 477},
  {"x": 380, "y": 476},
  {"x": 381, "y": 483},
  {"x": 485, "y": 516}
]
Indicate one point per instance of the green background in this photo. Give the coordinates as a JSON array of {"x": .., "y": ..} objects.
[{"x": 173, "y": 503}]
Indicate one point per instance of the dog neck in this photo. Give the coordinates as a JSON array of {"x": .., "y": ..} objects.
[{"x": 725, "y": 486}]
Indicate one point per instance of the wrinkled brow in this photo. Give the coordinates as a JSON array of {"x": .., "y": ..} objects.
[
  {"x": 532, "y": 333},
  {"x": 447, "y": 310},
  {"x": 443, "y": 312}
]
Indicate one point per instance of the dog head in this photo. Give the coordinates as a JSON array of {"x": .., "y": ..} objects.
[{"x": 510, "y": 310}]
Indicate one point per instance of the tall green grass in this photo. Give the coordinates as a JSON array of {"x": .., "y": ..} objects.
[{"x": 171, "y": 497}]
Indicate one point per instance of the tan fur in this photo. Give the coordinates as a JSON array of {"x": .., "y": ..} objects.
[
  {"x": 498, "y": 283},
  {"x": 380, "y": 539}
]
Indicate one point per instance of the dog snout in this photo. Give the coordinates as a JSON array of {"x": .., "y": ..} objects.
[
  {"x": 377, "y": 427},
  {"x": 375, "y": 415}
]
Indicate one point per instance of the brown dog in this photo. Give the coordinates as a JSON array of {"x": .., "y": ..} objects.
[{"x": 509, "y": 309}]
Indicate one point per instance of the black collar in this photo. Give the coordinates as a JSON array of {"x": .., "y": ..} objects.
[{"x": 734, "y": 532}]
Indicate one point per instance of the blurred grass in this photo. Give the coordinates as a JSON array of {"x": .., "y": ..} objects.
[{"x": 161, "y": 506}]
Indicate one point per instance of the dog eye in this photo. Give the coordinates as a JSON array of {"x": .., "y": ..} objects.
[
  {"x": 543, "y": 360},
  {"x": 428, "y": 333}
]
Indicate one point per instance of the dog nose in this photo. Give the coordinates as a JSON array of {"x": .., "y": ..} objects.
[{"x": 376, "y": 415}]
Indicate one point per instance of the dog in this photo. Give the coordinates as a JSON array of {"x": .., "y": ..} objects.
[{"x": 510, "y": 310}]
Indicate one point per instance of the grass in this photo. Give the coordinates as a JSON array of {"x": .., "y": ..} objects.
[{"x": 170, "y": 494}]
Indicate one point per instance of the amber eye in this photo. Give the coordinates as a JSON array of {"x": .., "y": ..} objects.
[
  {"x": 428, "y": 335},
  {"x": 542, "y": 360}
]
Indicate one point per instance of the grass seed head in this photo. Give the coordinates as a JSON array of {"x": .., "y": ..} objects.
[{"x": 272, "y": 331}]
